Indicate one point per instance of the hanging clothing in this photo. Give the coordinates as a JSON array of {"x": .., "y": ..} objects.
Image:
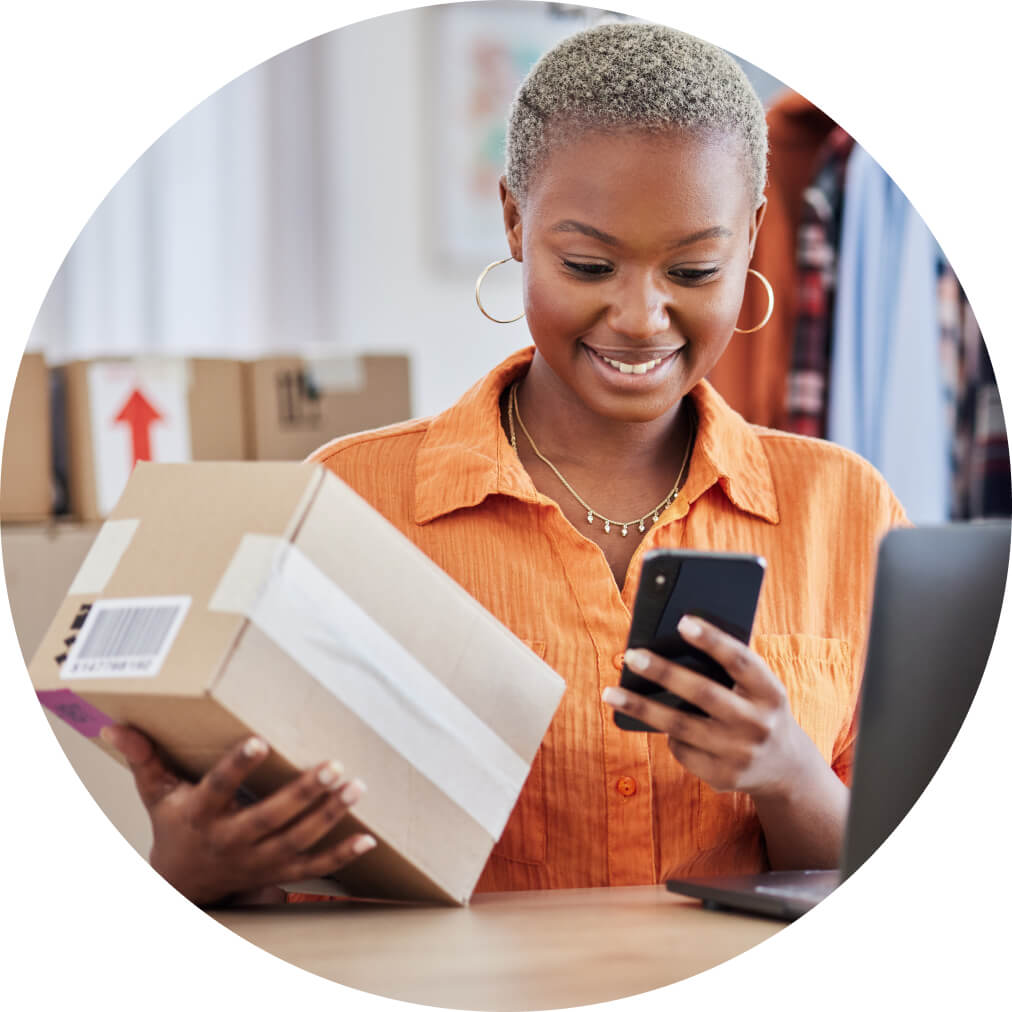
[
  {"x": 886, "y": 397},
  {"x": 752, "y": 373},
  {"x": 954, "y": 385},
  {"x": 981, "y": 481},
  {"x": 818, "y": 238}
]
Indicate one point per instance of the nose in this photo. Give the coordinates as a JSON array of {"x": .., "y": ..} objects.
[{"x": 641, "y": 306}]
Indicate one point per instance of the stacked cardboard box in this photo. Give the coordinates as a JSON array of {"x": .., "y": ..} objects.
[
  {"x": 26, "y": 481},
  {"x": 40, "y": 561},
  {"x": 120, "y": 411},
  {"x": 295, "y": 611},
  {"x": 295, "y": 404}
]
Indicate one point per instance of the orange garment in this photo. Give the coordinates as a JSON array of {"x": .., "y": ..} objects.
[
  {"x": 752, "y": 373},
  {"x": 603, "y": 806}
]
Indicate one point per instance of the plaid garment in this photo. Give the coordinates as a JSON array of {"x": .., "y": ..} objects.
[
  {"x": 982, "y": 486},
  {"x": 956, "y": 359},
  {"x": 978, "y": 452},
  {"x": 818, "y": 241}
]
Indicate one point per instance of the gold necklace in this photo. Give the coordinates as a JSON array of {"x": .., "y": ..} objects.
[{"x": 514, "y": 408}]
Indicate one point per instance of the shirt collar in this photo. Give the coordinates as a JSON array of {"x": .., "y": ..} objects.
[{"x": 466, "y": 456}]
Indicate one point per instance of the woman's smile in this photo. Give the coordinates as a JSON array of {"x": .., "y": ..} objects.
[{"x": 632, "y": 369}]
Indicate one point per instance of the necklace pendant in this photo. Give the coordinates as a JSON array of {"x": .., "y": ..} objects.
[
  {"x": 625, "y": 530},
  {"x": 655, "y": 518},
  {"x": 607, "y": 527},
  {"x": 642, "y": 527},
  {"x": 590, "y": 516}
]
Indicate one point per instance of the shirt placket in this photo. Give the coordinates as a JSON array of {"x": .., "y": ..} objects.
[
  {"x": 628, "y": 791},
  {"x": 629, "y": 779}
]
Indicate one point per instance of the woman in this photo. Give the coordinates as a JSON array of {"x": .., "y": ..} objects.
[{"x": 632, "y": 199}]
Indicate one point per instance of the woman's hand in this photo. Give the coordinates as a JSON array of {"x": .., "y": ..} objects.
[
  {"x": 748, "y": 741},
  {"x": 210, "y": 848}
]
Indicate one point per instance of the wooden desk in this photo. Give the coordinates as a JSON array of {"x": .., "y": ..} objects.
[{"x": 526, "y": 950}]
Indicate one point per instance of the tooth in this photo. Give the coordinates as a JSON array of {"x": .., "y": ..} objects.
[{"x": 626, "y": 367}]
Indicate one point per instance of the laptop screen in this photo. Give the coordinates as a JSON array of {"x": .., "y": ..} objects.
[{"x": 938, "y": 594}]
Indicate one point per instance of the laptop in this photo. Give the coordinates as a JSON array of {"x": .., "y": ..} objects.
[{"x": 938, "y": 594}]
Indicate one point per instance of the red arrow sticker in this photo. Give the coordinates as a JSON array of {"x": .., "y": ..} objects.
[{"x": 140, "y": 415}]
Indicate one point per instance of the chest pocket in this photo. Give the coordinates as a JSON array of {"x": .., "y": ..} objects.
[
  {"x": 523, "y": 839},
  {"x": 818, "y": 677}
]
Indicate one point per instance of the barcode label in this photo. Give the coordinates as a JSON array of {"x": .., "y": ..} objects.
[{"x": 126, "y": 637}]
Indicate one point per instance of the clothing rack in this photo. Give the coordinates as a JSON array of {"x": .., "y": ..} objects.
[{"x": 872, "y": 343}]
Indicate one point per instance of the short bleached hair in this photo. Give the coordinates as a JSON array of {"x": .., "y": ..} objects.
[{"x": 639, "y": 76}]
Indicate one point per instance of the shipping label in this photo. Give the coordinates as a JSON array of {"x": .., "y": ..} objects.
[{"x": 126, "y": 637}]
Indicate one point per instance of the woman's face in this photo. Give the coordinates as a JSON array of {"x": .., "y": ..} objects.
[{"x": 635, "y": 250}]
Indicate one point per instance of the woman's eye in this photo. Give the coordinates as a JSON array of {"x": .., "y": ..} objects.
[
  {"x": 693, "y": 274},
  {"x": 594, "y": 270}
]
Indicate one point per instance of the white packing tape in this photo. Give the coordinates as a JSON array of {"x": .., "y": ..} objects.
[
  {"x": 343, "y": 374},
  {"x": 320, "y": 627}
]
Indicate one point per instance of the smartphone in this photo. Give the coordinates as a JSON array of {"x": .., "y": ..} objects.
[{"x": 720, "y": 587}]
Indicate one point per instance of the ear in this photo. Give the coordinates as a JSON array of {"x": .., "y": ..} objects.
[
  {"x": 754, "y": 225},
  {"x": 512, "y": 221}
]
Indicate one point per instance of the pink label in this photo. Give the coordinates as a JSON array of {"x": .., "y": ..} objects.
[{"x": 75, "y": 711}]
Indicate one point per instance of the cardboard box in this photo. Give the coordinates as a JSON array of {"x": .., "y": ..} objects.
[
  {"x": 121, "y": 411},
  {"x": 225, "y": 599},
  {"x": 26, "y": 492},
  {"x": 295, "y": 404},
  {"x": 40, "y": 561}
]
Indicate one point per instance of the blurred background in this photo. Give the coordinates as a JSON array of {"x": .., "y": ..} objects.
[
  {"x": 295, "y": 260},
  {"x": 342, "y": 195}
]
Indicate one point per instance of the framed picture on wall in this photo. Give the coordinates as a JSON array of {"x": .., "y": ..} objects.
[{"x": 478, "y": 54}]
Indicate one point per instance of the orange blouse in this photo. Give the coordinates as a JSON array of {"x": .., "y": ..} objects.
[{"x": 603, "y": 806}]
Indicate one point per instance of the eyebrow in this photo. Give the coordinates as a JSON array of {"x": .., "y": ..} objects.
[{"x": 570, "y": 225}]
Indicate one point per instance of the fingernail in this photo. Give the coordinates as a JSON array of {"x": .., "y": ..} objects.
[
  {"x": 352, "y": 792},
  {"x": 253, "y": 748},
  {"x": 689, "y": 627},
  {"x": 614, "y": 696},
  {"x": 363, "y": 844},
  {"x": 108, "y": 735},
  {"x": 330, "y": 774},
  {"x": 637, "y": 660}
]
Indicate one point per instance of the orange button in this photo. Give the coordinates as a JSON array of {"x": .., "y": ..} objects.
[
  {"x": 626, "y": 786},
  {"x": 618, "y": 660}
]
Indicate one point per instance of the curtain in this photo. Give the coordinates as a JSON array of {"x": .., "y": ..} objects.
[{"x": 219, "y": 239}]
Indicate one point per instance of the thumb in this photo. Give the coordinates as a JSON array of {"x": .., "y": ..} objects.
[{"x": 153, "y": 779}]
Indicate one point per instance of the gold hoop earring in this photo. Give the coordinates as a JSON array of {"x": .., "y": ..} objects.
[
  {"x": 769, "y": 308},
  {"x": 477, "y": 292}
]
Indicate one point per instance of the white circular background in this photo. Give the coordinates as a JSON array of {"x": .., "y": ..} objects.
[{"x": 86, "y": 89}]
